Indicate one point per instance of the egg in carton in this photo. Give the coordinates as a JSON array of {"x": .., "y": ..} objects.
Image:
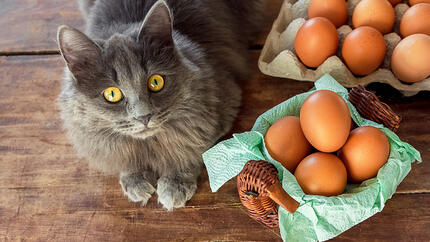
[{"x": 278, "y": 57}]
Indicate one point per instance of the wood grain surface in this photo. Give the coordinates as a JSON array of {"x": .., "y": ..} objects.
[
  {"x": 30, "y": 26},
  {"x": 47, "y": 193}
]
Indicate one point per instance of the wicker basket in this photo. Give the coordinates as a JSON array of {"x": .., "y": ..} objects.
[{"x": 258, "y": 186}]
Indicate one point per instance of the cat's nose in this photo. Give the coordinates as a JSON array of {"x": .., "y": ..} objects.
[{"x": 144, "y": 119}]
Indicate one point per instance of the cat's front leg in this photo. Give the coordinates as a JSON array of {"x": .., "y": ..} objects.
[
  {"x": 137, "y": 186},
  {"x": 174, "y": 190}
]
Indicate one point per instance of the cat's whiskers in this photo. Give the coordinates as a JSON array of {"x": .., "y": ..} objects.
[
  {"x": 108, "y": 133},
  {"x": 163, "y": 116},
  {"x": 121, "y": 122},
  {"x": 128, "y": 125}
]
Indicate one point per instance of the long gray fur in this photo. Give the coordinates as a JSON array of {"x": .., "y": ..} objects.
[{"x": 198, "y": 46}]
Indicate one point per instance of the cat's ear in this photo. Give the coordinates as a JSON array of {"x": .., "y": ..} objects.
[
  {"x": 79, "y": 52},
  {"x": 158, "y": 24}
]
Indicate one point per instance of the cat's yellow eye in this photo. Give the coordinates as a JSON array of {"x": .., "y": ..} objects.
[
  {"x": 112, "y": 94},
  {"x": 156, "y": 83}
]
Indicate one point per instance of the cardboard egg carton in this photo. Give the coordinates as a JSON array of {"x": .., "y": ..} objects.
[{"x": 278, "y": 57}]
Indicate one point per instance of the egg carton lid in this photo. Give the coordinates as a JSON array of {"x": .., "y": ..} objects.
[{"x": 278, "y": 57}]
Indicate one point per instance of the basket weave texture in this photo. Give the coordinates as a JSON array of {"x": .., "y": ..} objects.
[
  {"x": 370, "y": 107},
  {"x": 252, "y": 184}
]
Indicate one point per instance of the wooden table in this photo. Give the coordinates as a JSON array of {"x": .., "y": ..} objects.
[{"x": 48, "y": 193}]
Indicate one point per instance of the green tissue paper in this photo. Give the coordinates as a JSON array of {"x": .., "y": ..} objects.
[{"x": 318, "y": 217}]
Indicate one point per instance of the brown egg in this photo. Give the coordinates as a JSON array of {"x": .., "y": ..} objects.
[
  {"x": 378, "y": 14},
  {"x": 416, "y": 20},
  {"x": 325, "y": 120},
  {"x": 410, "y": 61},
  {"x": 315, "y": 41},
  {"x": 334, "y": 10},
  {"x": 286, "y": 142},
  {"x": 413, "y": 2},
  {"x": 363, "y": 50},
  {"x": 395, "y": 2},
  {"x": 321, "y": 174},
  {"x": 366, "y": 150}
]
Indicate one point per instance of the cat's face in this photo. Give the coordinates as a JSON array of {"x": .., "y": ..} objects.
[
  {"x": 146, "y": 83},
  {"x": 131, "y": 85}
]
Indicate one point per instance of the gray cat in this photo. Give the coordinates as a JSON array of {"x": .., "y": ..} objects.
[{"x": 152, "y": 85}]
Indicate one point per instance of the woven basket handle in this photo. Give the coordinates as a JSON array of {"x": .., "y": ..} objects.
[
  {"x": 370, "y": 107},
  {"x": 281, "y": 197}
]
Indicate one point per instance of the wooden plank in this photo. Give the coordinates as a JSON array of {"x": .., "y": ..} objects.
[
  {"x": 30, "y": 26},
  {"x": 46, "y": 191},
  {"x": 141, "y": 224},
  {"x": 404, "y": 218}
]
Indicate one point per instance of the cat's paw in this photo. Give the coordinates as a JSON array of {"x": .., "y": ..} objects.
[
  {"x": 136, "y": 187},
  {"x": 173, "y": 193}
]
